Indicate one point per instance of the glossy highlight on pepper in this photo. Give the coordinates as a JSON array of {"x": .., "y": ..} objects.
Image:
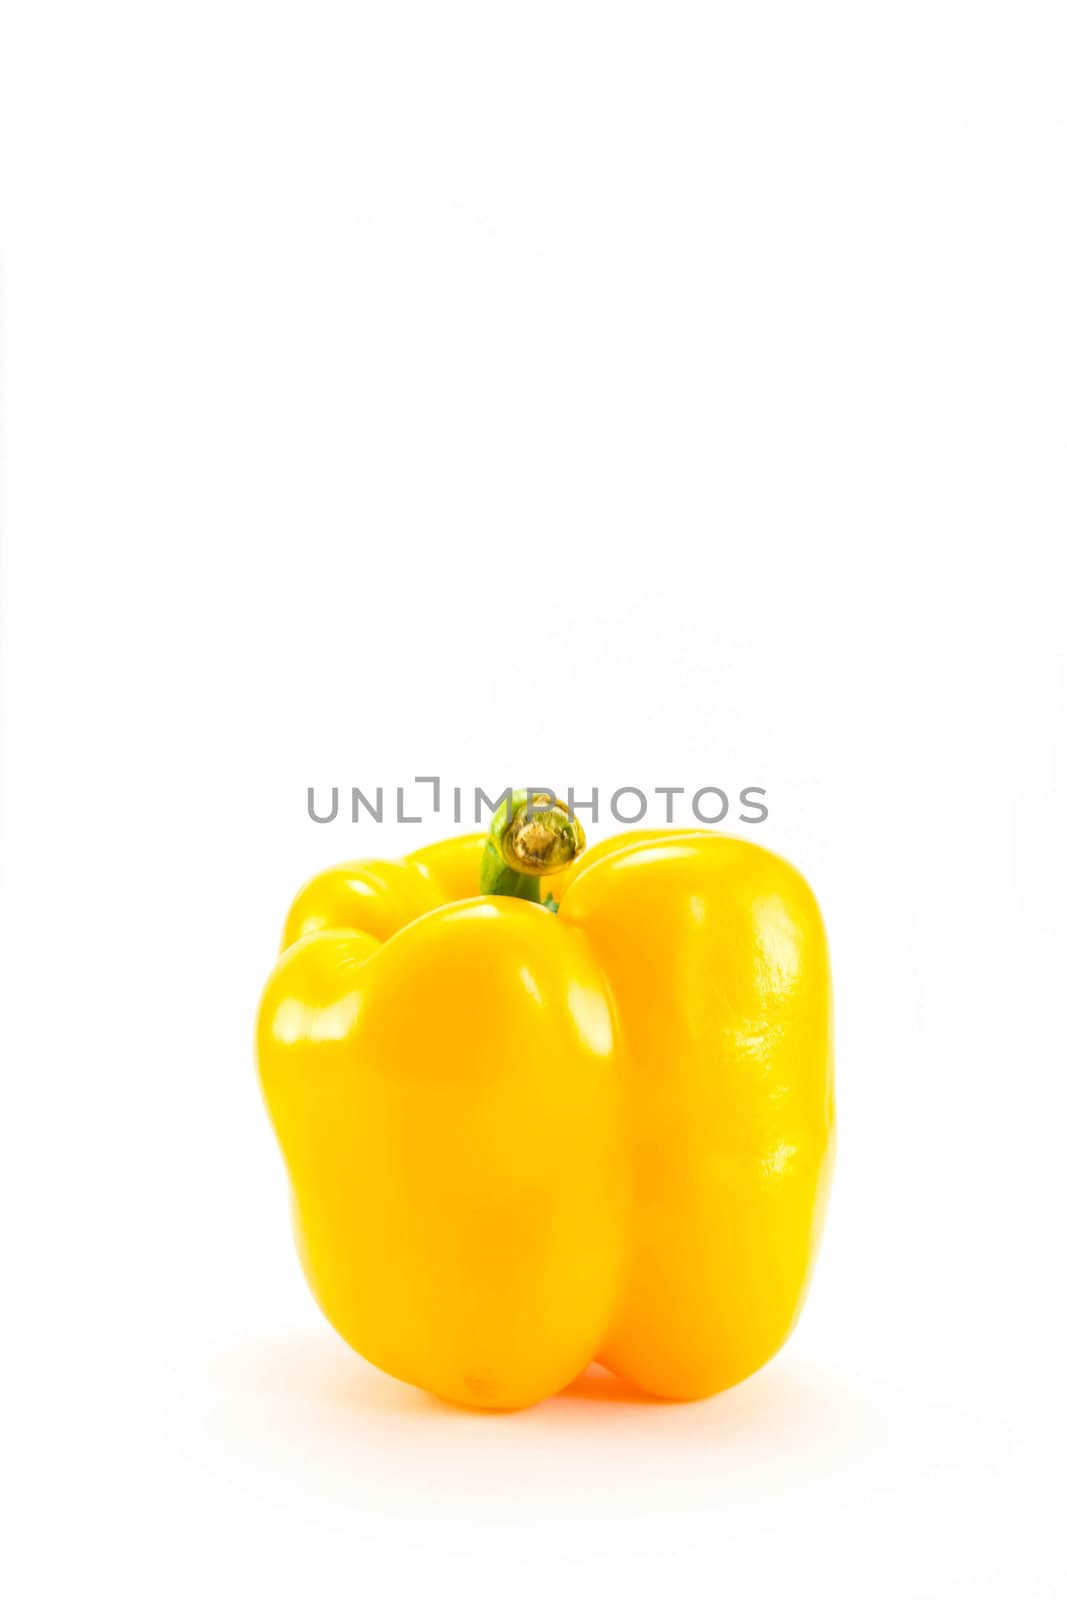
[{"x": 521, "y": 1139}]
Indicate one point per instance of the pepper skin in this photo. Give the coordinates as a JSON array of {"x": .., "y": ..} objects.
[{"x": 519, "y": 1142}]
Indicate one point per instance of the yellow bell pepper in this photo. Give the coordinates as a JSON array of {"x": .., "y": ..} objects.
[{"x": 521, "y": 1138}]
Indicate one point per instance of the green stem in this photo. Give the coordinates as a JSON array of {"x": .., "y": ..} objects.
[{"x": 531, "y": 836}]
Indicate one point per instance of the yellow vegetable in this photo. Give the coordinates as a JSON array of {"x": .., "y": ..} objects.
[{"x": 520, "y": 1140}]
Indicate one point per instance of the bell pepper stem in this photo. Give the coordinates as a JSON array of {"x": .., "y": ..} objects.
[{"x": 531, "y": 836}]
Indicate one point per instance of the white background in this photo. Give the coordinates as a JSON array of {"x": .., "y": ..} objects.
[{"x": 698, "y": 374}]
